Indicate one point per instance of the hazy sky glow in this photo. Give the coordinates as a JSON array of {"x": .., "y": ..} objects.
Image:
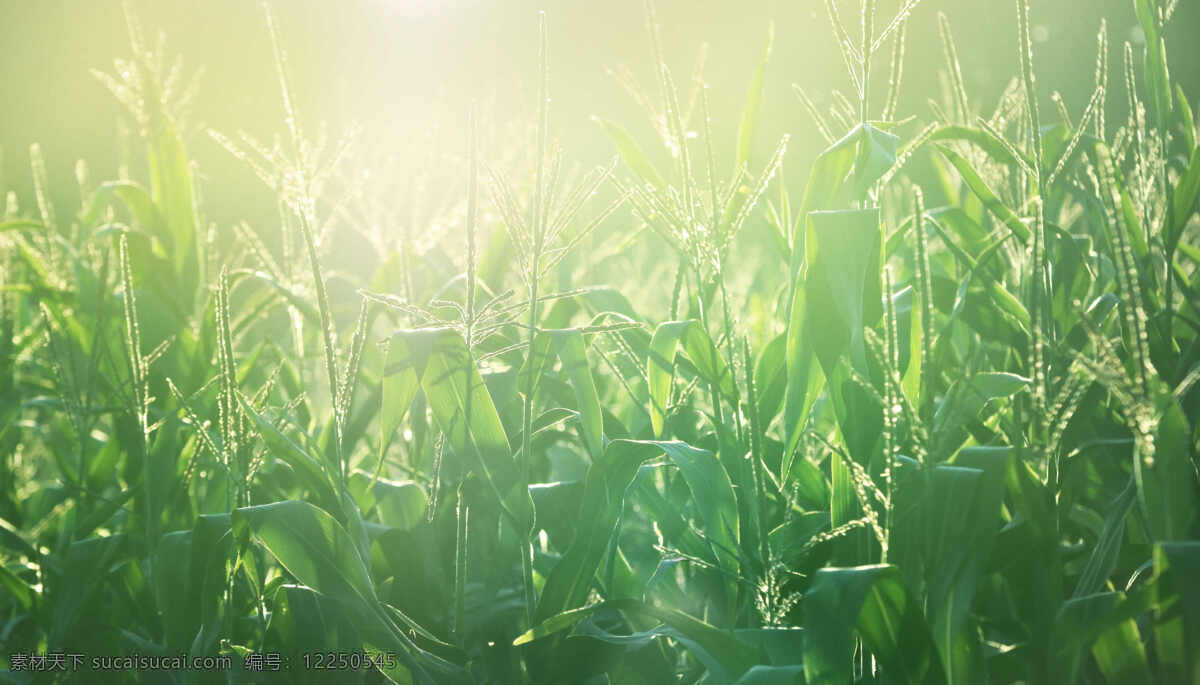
[{"x": 404, "y": 69}]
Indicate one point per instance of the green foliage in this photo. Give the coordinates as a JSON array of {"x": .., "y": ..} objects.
[{"x": 850, "y": 438}]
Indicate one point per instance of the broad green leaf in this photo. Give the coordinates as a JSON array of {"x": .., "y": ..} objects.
[
  {"x": 400, "y": 505},
  {"x": 300, "y": 619},
  {"x": 571, "y": 349},
  {"x": 985, "y": 194},
  {"x": 600, "y": 509},
  {"x": 953, "y": 221},
  {"x": 668, "y": 511},
  {"x": 460, "y": 403},
  {"x": 1104, "y": 556},
  {"x": 20, "y": 225},
  {"x": 1029, "y": 498},
  {"x": 1186, "y": 119},
  {"x": 862, "y": 150},
  {"x": 293, "y": 298},
  {"x": 1166, "y": 479},
  {"x": 1120, "y": 654},
  {"x": 963, "y": 402},
  {"x": 315, "y": 474},
  {"x": 754, "y": 95},
  {"x": 589, "y": 630},
  {"x": 963, "y": 520},
  {"x": 386, "y": 664},
  {"x": 422, "y": 636},
  {"x": 1177, "y": 611},
  {"x": 19, "y": 589},
  {"x": 770, "y": 378},
  {"x": 772, "y": 675},
  {"x": 171, "y": 188},
  {"x": 631, "y": 153},
  {"x": 400, "y": 384},
  {"x": 729, "y": 657},
  {"x": 419, "y": 562},
  {"x": 603, "y": 499},
  {"x": 207, "y": 581},
  {"x": 82, "y": 572},
  {"x": 876, "y": 155},
  {"x": 136, "y": 199},
  {"x": 668, "y": 337},
  {"x": 1075, "y": 630},
  {"x": 1158, "y": 82},
  {"x": 910, "y": 331},
  {"x": 843, "y": 284},
  {"x": 1081, "y": 621},
  {"x": 870, "y": 602},
  {"x": 556, "y": 623},
  {"x": 809, "y": 482},
  {"x": 557, "y": 505},
  {"x": 713, "y": 493},
  {"x": 606, "y": 300},
  {"x": 312, "y": 546},
  {"x": 843, "y": 500},
  {"x": 1183, "y": 199},
  {"x": 982, "y": 139},
  {"x": 710, "y": 366},
  {"x": 804, "y": 379},
  {"x": 171, "y": 561},
  {"x": 12, "y": 539},
  {"x": 784, "y": 645}
]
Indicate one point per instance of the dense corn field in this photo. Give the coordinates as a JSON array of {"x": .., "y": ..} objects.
[{"x": 923, "y": 409}]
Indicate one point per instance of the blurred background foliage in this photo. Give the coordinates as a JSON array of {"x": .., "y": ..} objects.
[{"x": 405, "y": 71}]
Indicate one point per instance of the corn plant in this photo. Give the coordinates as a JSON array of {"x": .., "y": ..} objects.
[{"x": 930, "y": 416}]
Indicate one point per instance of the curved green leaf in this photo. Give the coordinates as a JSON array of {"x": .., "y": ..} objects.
[
  {"x": 603, "y": 499},
  {"x": 843, "y": 285},
  {"x": 570, "y": 347},
  {"x": 713, "y": 492},
  {"x": 870, "y": 602},
  {"x": 661, "y": 364},
  {"x": 631, "y": 153},
  {"x": 726, "y": 657},
  {"x": 438, "y": 358},
  {"x": 985, "y": 194},
  {"x": 754, "y": 94},
  {"x": 19, "y": 224},
  {"x": 1166, "y": 479},
  {"x": 311, "y": 545},
  {"x": 314, "y": 548}
]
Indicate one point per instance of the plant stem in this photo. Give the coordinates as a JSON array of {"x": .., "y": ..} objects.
[
  {"x": 539, "y": 234},
  {"x": 460, "y": 571},
  {"x": 755, "y": 457},
  {"x": 737, "y": 423},
  {"x": 868, "y": 28}
]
